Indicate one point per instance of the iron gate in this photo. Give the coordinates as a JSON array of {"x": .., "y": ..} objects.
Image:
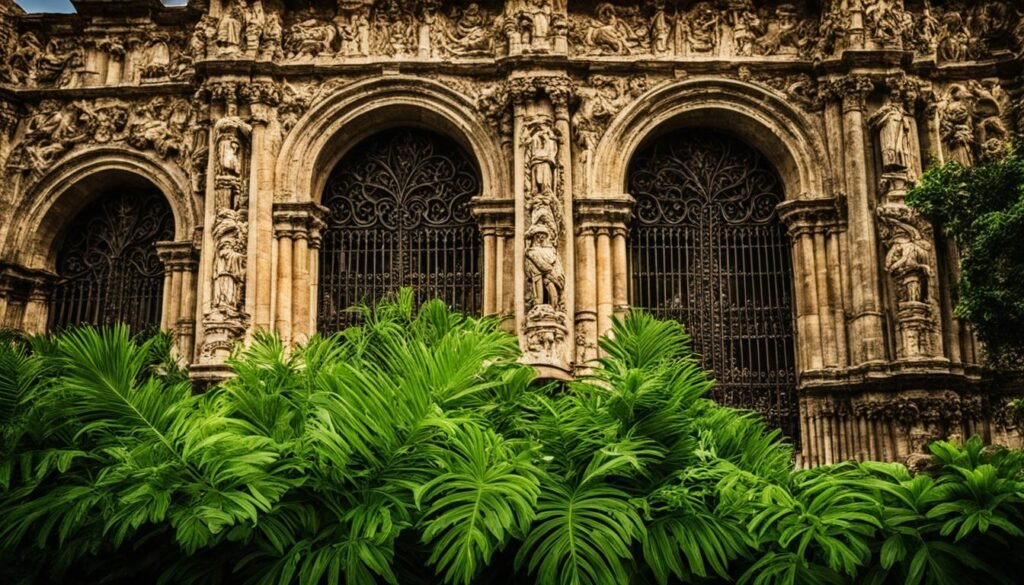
[
  {"x": 108, "y": 267},
  {"x": 400, "y": 217},
  {"x": 707, "y": 249}
]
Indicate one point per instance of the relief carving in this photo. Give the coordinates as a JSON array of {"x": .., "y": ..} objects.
[
  {"x": 908, "y": 260},
  {"x": 545, "y": 326},
  {"x": 971, "y": 121},
  {"x": 226, "y": 320},
  {"x": 53, "y": 129},
  {"x": 60, "y": 64}
]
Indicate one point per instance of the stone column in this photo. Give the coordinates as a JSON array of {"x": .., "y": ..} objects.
[
  {"x": 180, "y": 264},
  {"x": 545, "y": 255},
  {"x": 601, "y": 289},
  {"x": 262, "y": 96},
  {"x": 496, "y": 218},
  {"x": 813, "y": 224},
  {"x": 297, "y": 229},
  {"x": 866, "y": 329}
]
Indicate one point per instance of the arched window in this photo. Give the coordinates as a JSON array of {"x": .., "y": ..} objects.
[
  {"x": 707, "y": 249},
  {"x": 107, "y": 266},
  {"x": 399, "y": 216}
]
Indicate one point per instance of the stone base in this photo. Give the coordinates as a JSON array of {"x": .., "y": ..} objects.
[{"x": 206, "y": 375}]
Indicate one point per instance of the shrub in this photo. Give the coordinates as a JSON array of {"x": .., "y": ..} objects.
[{"x": 416, "y": 449}]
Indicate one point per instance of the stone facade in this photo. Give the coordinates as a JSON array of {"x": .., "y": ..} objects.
[{"x": 237, "y": 111}]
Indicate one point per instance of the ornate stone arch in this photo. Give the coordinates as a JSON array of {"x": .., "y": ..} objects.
[
  {"x": 755, "y": 115},
  {"x": 324, "y": 135},
  {"x": 329, "y": 129},
  {"x": 48, "y": 205}
]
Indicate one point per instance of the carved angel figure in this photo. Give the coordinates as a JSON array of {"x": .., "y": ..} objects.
[
  {"x": 956, "y": 124},
  {"x": 953, "y": 41}
]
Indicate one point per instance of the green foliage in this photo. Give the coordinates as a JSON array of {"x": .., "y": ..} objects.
[
  {"x": 416, "y": 449},
  {"x": 982, "y": 209}
]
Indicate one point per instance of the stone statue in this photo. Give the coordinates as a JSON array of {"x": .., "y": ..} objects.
[
  {"x": 747, "y": 28},
  {"x": 661, "y": 30},
  {"x": 894, "y": 135},
  {"x": 543, "y": 266},
  {"x": 541, "y": 156},
  {"x": 156, "y": 58},
  {"x": 956, "y": 125},
  {"x": 230, "y": 235},
  {"x": 272, "y": 36},
  {"x": 908, "y": 260},
  {"x": 229, "y": 30},
  {"x": 229, "y": 151},
  {"x": 534, "y": 25},
  {"x": 255, "y": 22}
]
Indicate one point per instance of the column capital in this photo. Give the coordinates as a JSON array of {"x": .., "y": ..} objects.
[
  {"x": 493, "y": 213},
  {"x": 608, "y": 214},
  {"x": 302, "y": 220},
  {"x": 181, "y": 256},
  {"x": 803, "y": 216}
]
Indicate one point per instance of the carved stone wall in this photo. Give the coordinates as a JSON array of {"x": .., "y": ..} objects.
[{"x": 238, "y": 111}]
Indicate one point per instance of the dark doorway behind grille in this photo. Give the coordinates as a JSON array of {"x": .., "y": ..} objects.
[
  {"x": 108, "y": 268},
  {"x": 400, "y": 217},
  {"x": 707, "y": 249}
]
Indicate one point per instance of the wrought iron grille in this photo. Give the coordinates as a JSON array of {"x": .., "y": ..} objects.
[
  {"x": 108, "y": 268},
  {"x": 707, "y": 249},
  {"x": 399, "y": 217}
]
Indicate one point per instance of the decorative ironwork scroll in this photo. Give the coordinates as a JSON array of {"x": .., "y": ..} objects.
[
  {"x": 399, "y": 216},
  {"x": 707, "y": 249},
  {"x": 108, "y": 267}
]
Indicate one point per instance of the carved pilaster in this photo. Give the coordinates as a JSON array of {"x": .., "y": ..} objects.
[
  {"x": 544, "y": 304},
  {"x": 226, "y": 317},
  {"x": 181, "y": 263},
  {"x": 496, "y": 218},
  {"x": 297, "y": 229}
]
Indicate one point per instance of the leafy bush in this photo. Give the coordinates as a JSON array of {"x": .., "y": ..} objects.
[
  {"x": 982, "y": 210},
  {"x": 416, "y": 449}
]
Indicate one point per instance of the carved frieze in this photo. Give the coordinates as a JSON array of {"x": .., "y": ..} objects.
[{"x": 54, "y": 127}]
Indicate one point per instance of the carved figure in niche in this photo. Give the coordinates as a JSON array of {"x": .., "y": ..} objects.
[
  {"x": 908, "y": 260},
  {"x": 60, "y": 63},
  {"x": 661, "y": 30},
  {"x": 427, "y": 23},
  {"x": 703, "y": 28},
  {"x": 541, "y": 156},
  {"x": 534, "y": 24},
  {"x": 608, "y": 33},
  {"x": 831, "y": 30},
  {"x": 956, "y": 124},
  {"x": 747, "y": 27},
  {"x": 229, "y": 30},
  {"x": 271, "y": 37},
  {"x": 472, "y": 35},
  {"x": 255, "y": 23},
  {"x": 953, "y": 41},
  {"x": 543, "y": 266},
  {"x": 353, "y": 31},
  {"x": 229, "y": 151},
  {"x": 894, "y": 135},
  {"x": 156, "y": 58},
  {"x": 229, "y": 234}
]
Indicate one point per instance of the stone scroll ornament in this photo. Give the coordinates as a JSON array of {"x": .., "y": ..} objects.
[
  {"x": 227, "y": 320},
  {"x": 545, "y": 327}
]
